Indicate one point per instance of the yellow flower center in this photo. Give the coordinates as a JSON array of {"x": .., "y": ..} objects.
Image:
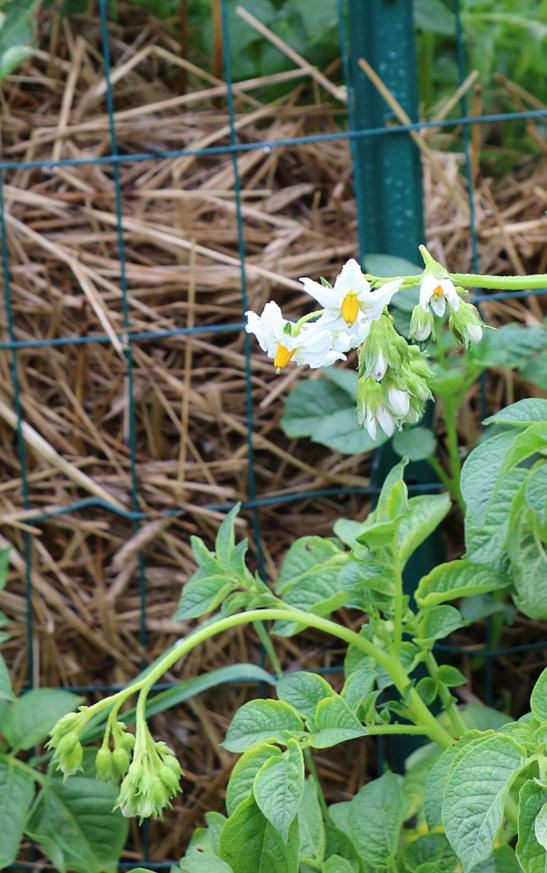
[
  {"x": 282, "y": 357},
  {"x": 350, "y": 308},
  {"x": 438, "y": 292}
]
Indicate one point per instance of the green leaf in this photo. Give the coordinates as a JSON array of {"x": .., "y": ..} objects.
[
  {"x": 336, "y": 864},
  {"x": 432, "y": 16},
  {"x": 521, "y": 413},
  {"x": 341, "y": 432},
  {"x": 17, "y": 793},
  {"x": 431, "y": 848},
  {"x": 240, "y": 786},
  {"x": 30, "y": 719},
  {"x": 278, "y": 788},
  {"x": 503, "y": 860},
  {"x": 451, "y": 676},
  {"x": 476, "y": 788},
  {"x": 530, "y": 853},
  {"x": 347, "y": 531},
  {"x": 527, "y": 563},
  {"x": 335, "y": 723},
  {"x": 526, "y": 443},
  {"x": 535, "y": 371},
  {"x": 250, "y": 844},
  {"x": 303, "y": 691},
  {"x": 260, "y": 721},
  {"x": 439, "y": 622},
  {"x": 310, "y": 403},
  {"x": 305, "y": 558},
  {"x": 16, "y": 34},
  {"x": 202, "y": 594},
  {"x": 436, "y": 780},
  {"x": 6, "y": 691},
  {"x": 74, "y": 824},
  {"x": 480, "y": 473},
  {"x": 415, "y": 443},
  {"x": 373, "y": 819},
  {"x": 310, "y": 823},
  {"x": 423, "y": 516},
  {"x": 337, "y": 843},
  {"x": 538, "y": 700},
  {"x": 347, "y": 380},
  {"x": 536, "y": 492},
  {"x": 540, "y": 825},
  {"x": 476, "y": 716},
  {"x": 225, "y": 538},
  {"x": 457, "y": 579},
  {"x": 485, "y": 541},
  {"x": 510, "y": 346},
  {"x": 358, "y": 686}
]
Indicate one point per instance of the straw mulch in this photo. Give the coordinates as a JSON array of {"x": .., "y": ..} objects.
[{"x": 183, "y": 269}]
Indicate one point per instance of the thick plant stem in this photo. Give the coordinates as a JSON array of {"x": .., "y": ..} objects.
[
  {"x": 452, "y": 711},
  {"x": 501, "y": 283},
  {"x": 417, "y": 710}
]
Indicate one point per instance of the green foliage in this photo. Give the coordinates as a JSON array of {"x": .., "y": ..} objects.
[
  {"x": 74, "y": 824},
  {"x": 502, "y": 484}
]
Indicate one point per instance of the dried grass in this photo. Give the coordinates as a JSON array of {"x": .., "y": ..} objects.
[{"x": 183, "y": 270}]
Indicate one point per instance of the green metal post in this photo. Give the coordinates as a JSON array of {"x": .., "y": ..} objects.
[{"x": 389, "y": 189}]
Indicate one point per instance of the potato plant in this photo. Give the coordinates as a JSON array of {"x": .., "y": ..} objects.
[{"x": 474, "y": 795}]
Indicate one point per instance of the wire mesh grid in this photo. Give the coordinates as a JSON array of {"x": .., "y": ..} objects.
[{"x": 254, "y": 502}]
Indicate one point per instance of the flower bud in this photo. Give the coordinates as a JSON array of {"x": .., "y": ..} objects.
[
  {"x": 398, "y": 402},
  {"x": 169, "y": 778},
  {"x": 120, "y": 760},
  {"x": 104, "y": 764},
  {"x": 128, "y": 741},
  {"x": 70, "y": 762},
  {"x": 421, "y": 324},
  {"x": 382, "y": 348},
  {"x": 465, "y": 323}
]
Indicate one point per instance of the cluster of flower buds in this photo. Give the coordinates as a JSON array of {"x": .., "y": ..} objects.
[
  {"x": 394, "y": 375},
  {"x": 113, "y": 764},
  {"x": 65, "y": 742},
  {"x": 394, "y": 380},
  {"x": 151, "y": 781}
]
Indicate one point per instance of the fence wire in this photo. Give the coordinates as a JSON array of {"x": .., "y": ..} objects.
[{"x": 254, "y": 502}]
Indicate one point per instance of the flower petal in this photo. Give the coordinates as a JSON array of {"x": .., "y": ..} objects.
[
  {"x": 438, "y": 305},
  {"x": 450, "y": 292},
  {"x": 350, "y": 279},
  {"x": 378, "y": 300},
  {"x": 427, "y": 287},
  {"x": 324, "y": 296}
]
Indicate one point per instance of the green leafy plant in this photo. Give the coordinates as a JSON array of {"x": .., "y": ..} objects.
[
  {"x": 277, "y": 817},
  {"x": 473, "y": 797}
]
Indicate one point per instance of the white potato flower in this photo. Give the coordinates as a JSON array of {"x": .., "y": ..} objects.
[
  {"x": 350, "y": 305},
  {"x": 437, "y": 292},
  {"x": 312, "y": 345}
]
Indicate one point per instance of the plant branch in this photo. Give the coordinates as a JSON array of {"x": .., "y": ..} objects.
[{"x": 418, "y": 712}]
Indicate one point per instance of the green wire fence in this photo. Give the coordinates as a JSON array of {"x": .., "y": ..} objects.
[{"x": 368, "y": 28}]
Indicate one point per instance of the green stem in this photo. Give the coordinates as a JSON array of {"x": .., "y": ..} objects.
[
  {"x": 310, "y": 764},
  {"x": 266, "y": 641},
  {"x": 418, "y": 712},
  {"x": 502, "y": 283},
  {"x": 448, "y": 703},
  {"x": 450, "y": 417},
  {"x": 435, "y": 465},
  {"x": 398, "y": 614},
  {"x": 385, "y": 729}
]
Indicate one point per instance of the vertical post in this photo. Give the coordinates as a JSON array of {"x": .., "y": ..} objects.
[{"x": 389, "y": 193}]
